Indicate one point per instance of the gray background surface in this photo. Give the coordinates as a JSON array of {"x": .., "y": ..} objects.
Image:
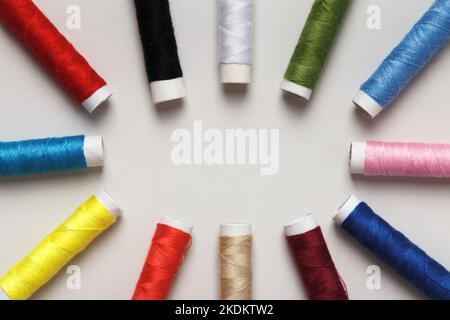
[{"x": 314, "y": 143}]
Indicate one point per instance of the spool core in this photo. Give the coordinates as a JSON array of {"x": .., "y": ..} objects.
[
  {"x": 166, "y": 90},
  {"x": 97, "y": 98}
]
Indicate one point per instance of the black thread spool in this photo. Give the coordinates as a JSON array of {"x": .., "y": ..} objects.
[{"x": 160, "y": 50}]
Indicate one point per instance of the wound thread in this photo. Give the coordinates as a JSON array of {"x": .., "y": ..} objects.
[
  {"x": 160, "y": 49},
  {"x": 316, "y": 40},
  {"x": 313, "y": 260},
  {"x": 54, "y": 52},
  {"x": 50, "y": 155},
  {"x": 164, "y": 258},
  {"x": 235, "y": 40},
  {"x": 93, "y": 217},
  {"x": 394, "y": 249},
  {"x": 421, "y": 160},
  {"x": 235, "y": 254},
  {"x": 427, "y": 37}
]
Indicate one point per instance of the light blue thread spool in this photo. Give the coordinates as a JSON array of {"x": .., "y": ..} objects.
[
  {"x": 50, "y": 155},
  {"x": 420, "y": 45}
]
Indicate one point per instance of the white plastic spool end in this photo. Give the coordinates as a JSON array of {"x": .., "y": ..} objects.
[
  {"x": 367, "y": 103},
  {"x": 357, "y": 157},
  {"x": 3, "y": 295},
  {"x": 105, "y": 198},
  {"x": 167, "y": 90},
  {"x": 346, "y": 209},
  {"x": 235, "y": 73},
  {"x": 235, "y": 229},
  {"x": 93, "y": 151},
  {"x": 177, "y": 223},
  {"x": 97, "y": 98},
  {"x": 300, "y": 225},
  {"x": 296, "y": 89}
]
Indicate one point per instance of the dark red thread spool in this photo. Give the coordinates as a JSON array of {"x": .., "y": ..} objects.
[
  {"x": 171, "y": 240},
  {"x": 54, "y": 52},
  {"x": 313, "y": 260}
]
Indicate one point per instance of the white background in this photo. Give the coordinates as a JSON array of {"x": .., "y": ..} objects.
[{"x": 314, "y": 144}]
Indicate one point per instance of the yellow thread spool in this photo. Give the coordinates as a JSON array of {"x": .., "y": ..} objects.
[{"x": 59, "y": 247}]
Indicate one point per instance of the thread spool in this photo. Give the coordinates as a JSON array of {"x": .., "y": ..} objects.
[
  {"x": 315, "y": 42},
  {"x": 394, "y": 249},
  {"x": 56, "y": 250},
  {"x": 421, "y": 160},
  {"x": 235, "y": 40},
  {"x": 55, "y": 52},
  {"x": 160, "y": 50},
  {"x": 420, "y": 45},
  {"x": 170, "y": 242},
  {"x": 313, "y": 260},
  {"x": 235, "y": 253},
  {"x": 50, "y": 155}
]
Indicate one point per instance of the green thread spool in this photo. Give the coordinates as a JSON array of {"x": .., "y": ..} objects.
[{"x": 315, "y": 42}]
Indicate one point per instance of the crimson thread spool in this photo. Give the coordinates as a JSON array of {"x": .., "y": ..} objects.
[
  {"x": 55, "y": 52},
  {"x": 420, "y": 160},
  {"x": 313, "y": 260},
  {"x": 171, "y": 240}
]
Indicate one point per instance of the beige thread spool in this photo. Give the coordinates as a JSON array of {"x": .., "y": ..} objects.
[{"x": 235, "y": 253}]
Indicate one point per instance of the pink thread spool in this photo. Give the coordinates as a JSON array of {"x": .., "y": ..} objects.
[{"x": 421, "y": 160}]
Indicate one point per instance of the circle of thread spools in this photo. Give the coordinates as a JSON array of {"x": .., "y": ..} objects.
[
  {"x": 50, "y": 155},
  {"x": 235, "y": 40},
  {"x": 55, "y": 52},
  {"x": 160, "y": 50},
  {"x": 313, "y": 260},
  {"x": 170, "y": 242},
  {"x": 317, "y": 37},
  {"x": 376, "y": 158},
  {"x": 393, "y": 248},
  {"x": 413, "y": 53},
  {"x": 93, "y": 217},
  {"x": 235, "y": 253}
]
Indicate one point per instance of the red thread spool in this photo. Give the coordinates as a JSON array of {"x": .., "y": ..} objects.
[
  {"x": 170, "y": 242},
  {"x": 313, "y": 260},
  {"x": 53, "y": 50}
]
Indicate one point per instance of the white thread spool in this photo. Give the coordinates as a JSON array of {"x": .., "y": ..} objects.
[
  {"x": 300, "y": 225},
  {"x": 167, "y": 90},
  {"x": 366, "y": 102},
  {"x": 346, "y": 209},
  {"x": 97, "y": 98},
  {"x": 235, "y": 40},
  {"x": 176, "y": 223},
  {"x": 357, "y": 157}
]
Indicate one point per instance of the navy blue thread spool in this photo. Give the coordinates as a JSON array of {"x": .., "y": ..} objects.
[{"x": 393, "y": 248}]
